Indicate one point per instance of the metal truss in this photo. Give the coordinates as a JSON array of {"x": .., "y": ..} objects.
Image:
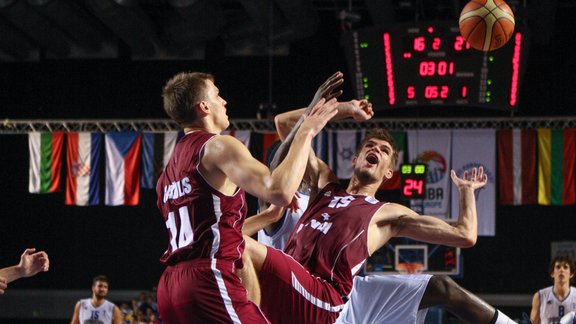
[{"x": 14, "y": 126}]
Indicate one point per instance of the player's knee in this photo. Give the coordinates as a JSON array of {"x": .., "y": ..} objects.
[{"x": 443, "y": 287}]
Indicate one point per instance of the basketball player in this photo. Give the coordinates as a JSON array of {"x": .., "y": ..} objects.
[
  {"x": 341, "y": 228},
  {"x": 201, "y": 198},
  {"x": 550, "y": 304},
  {"x": 97, "y": 310},
  {"x": 31, "y": 263},
  {"x": 375, "y": 298}
]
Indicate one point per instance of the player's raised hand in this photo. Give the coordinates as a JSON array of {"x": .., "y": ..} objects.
[
  {"x": 475, "y": 179},
  {"x": 328, "y": 90},
  {"x": 32, "y": 262},
  {"x": 320, "y": 115},
  {"x": 361, "y": 110}
]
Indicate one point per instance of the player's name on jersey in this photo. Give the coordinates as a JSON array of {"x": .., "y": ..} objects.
[{"x": 177, "y": 189}]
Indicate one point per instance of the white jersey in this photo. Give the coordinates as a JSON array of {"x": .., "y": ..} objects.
[
  {"x": 280, "y": 236},
  {"x": 551, "y": 308},
  {"x": 95, "y": 315},
  {"x": 374, "y": 299}
]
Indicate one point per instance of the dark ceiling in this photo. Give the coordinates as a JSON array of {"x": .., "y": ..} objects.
[
  {"x": 59, "y": 55},
  {"x": 180, "y": 29}
]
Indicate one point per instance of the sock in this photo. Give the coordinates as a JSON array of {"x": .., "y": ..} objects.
[{"x": 501, "y": 318}]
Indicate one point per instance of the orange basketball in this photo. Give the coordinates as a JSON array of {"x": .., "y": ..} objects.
[{"x": 486, "y": 24}]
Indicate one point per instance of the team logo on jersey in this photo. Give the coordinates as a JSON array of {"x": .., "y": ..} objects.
[
  {"x": 325, "y": 216},
  {"x": 328, "y": 194},
  {"x": 323, "y": 227}
]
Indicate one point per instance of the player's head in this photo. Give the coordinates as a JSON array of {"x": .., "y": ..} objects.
[
  {"x": 183, "y": 92},
  {"x": 100, "y": 286},
  {"x": 562, "y": 269},
  {"x": 376, "y": 156}
]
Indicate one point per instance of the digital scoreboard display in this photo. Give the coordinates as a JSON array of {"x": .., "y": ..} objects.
[
  {"x": 430, "y": 64},
  {"x": 413, "y": 181}
]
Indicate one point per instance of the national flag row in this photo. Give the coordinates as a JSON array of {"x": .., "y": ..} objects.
[
  {"x": 132, "y": 160},
  {"x": 535, "y": 166}
]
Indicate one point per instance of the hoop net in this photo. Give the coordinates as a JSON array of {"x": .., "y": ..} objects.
[{"x": 410, "y": 268}]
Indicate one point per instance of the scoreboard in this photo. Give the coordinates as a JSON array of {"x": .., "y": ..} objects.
[{"x": 430, "y": 64}]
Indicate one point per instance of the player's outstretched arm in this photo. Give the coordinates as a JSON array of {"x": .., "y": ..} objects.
[
  {"x": 464, "y": 233},
  {"x": 226, "y": 155},
  {"x": 269, "y": 216},
  {"x": 31, "y": 263}
]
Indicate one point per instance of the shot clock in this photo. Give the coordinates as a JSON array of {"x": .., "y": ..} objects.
[
  {"x": 412, "y": 181},
  {"x": 430, "y": 64}
]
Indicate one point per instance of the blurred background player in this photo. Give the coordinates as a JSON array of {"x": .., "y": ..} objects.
[
  {"x": 97, "y": 310},
  {"x": 550, "y": 304}
]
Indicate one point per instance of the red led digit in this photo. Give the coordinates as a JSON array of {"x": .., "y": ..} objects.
[
  {"x": 436, "y": 43},
  {"x": 418, "y": 185},
  {"x": 444, "y": 92},
  {"x": 408, "y": 185},
  {"x": 410, "y": 93},
  {"x": 464, "y": 91},
  {"x": 419, "y": 44},
  {"x": 442, "y": 65}
]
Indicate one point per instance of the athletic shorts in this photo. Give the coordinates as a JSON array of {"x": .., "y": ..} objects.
[
  {"x": 386, "y": 299},
  {"x": 204, "y": 291},
  {"x": 292, "y": 295}
]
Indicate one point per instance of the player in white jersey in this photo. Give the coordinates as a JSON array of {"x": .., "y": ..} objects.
[
  {"x": 97, "y": 310},
  {"x": 550, "y": 304}
]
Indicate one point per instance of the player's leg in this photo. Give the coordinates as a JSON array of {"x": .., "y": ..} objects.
[
  {"x": 256, "y": 251},
  {"x": 249, "y": 279},
  {"x": 443, "y": 291}
]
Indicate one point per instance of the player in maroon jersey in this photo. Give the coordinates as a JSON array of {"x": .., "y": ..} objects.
[
  {"x": 342, "y": 227},
  {"x": 201, "y": 198}
]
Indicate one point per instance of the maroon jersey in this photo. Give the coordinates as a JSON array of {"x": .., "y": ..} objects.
[
  {"x": 202, "y": 222},
  {"x": 330, "y": 240}
]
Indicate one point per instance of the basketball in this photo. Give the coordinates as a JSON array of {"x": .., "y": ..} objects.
[{"x": 486, "y": 24}]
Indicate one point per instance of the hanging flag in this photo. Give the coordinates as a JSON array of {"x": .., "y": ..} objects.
[
  {"x": 432, "y": 147},
  {"x": 394, "y": 182},
  {"x": 83, "y": 174},
  {"x": 517, "y": 166},
  {"x": 473, "y": 148},
  {"x": 242, "y": 135},
  {"x": 557, "y": 152},
  {"x": 45, "y": 161},
  {"x": 342, "y": 146},
  {"x": 123, "y": 168},
  {"x": 157, "y": 148}
]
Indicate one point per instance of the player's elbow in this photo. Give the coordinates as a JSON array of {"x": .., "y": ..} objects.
[
  {"x": 281, "y": 198},
  {"x": 468, "y": 240}
]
